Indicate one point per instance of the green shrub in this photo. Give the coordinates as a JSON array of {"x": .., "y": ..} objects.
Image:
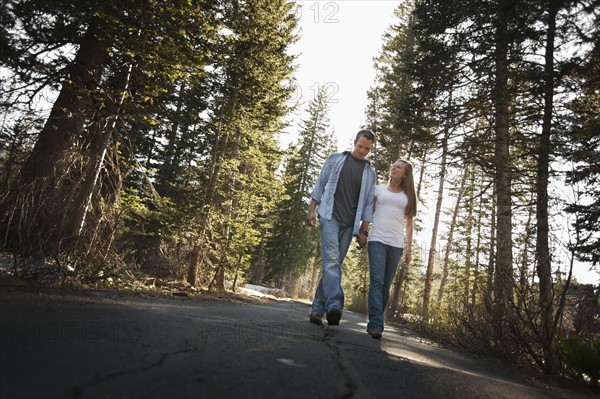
[{"x": 582, "y": 359}]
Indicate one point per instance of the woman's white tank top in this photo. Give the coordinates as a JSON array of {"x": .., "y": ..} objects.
[{"x": 388, "y": 218}]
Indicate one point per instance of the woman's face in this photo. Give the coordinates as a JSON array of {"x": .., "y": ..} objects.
[{"x": 397, "y": 170}]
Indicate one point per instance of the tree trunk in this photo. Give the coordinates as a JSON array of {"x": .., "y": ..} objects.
[
  {"x": 421, "y": 174},
  {"x": 67, "y": 117},
  {"x": 491, "y": 268},
  {"x": 395, "y": 298},
  {"x": 451, "y": 236},
  {"x": 523, "y": 272},
  {"x": 542, "y": 249},
  {"x": 469, "y": 247},
  {"x": 503, "y": 281},
  {"x": 478, "y": 251},
  {"x": 434, "y": 232},
  {"x": 83, "y": 203},
  {"x": 192, "y": 271}
]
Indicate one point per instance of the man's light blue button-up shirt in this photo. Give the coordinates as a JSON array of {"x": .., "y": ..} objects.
[{"x": 326, "y": 184}]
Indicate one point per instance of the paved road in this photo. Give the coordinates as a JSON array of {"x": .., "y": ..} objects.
[{"x": 57, "y": 344}]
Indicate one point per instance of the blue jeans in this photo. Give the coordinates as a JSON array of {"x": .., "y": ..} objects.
[
  {"x": 383, "y": 262},
  {"x": 335, "y": 241}
]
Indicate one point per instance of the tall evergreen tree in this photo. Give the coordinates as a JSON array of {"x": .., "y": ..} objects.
[
  {"x": 402, "y": 124},
  {"x": 583, "y": 146},
  {"x": 114, "y": 45},
  {"x": 249, "y": 106},
  {"x": 292, "y": 244}
]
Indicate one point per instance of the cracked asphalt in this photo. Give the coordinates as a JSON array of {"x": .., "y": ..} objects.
[{"x": 60, "y": 344}]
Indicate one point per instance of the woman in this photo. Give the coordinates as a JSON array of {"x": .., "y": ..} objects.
[{"x": 395, "y": 207}]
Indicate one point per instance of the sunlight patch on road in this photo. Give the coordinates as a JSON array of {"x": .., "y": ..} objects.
[
  {"x": 290, "y": 362},
  {"x": 391, "y": 350}
]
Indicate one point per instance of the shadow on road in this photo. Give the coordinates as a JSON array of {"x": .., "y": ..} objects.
[{"x": 103, "y": 345}]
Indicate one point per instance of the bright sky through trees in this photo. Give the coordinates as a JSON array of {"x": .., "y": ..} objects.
[{"x": 338, "y": 41}]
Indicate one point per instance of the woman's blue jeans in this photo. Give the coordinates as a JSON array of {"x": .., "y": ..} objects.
[
  {"x": 383, "y": 262},
  {"x": 335, "y": 241}
]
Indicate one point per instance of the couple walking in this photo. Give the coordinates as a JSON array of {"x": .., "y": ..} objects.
[{"x": 347, "y": 200}]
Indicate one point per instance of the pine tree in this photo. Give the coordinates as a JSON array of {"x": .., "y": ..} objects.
[
  {"x": 249, "y": 106},
  {"x": 583, "y": 149},
  {"x": 399, "y": 121},
  {"x": 292, "y": 244}
]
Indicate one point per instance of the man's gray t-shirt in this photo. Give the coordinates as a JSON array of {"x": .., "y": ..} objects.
[{"x": 345, "y": 199}]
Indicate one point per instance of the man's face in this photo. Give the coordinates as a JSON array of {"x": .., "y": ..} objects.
[{"x": 362, "y": 147}]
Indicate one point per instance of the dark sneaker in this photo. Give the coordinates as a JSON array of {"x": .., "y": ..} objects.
[
  {"x": 375, "y": 333},
  {"x": 333, "y": 317},
  {"x": 316, "y": 318}
]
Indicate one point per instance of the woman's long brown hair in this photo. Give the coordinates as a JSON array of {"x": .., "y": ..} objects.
[{"x": 408, "y": 186}]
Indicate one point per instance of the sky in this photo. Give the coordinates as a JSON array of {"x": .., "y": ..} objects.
[{"x": 338, "y": 41}]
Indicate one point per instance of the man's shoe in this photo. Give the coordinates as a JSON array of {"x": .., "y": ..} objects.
[
  {"x": 316, "y": 318},
  {"x": 375, "y": 333},
  {"x": 333, "y": 317}
]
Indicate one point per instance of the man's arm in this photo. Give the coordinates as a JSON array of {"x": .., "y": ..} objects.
[
  {"x": 363, "y": 234},
  {"x": 363, "y": 231},
  {"x": 318, "y": 191},
  {"x": 369, "y": 203}
]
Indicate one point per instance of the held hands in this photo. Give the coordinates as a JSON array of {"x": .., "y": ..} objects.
[{"x": 361, "y": 239}]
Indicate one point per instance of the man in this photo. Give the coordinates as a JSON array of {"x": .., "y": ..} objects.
[{"x": 344, "y": 196}]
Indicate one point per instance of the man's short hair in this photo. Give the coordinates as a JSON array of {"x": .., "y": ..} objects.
[{"x": 369, "y": 135}]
